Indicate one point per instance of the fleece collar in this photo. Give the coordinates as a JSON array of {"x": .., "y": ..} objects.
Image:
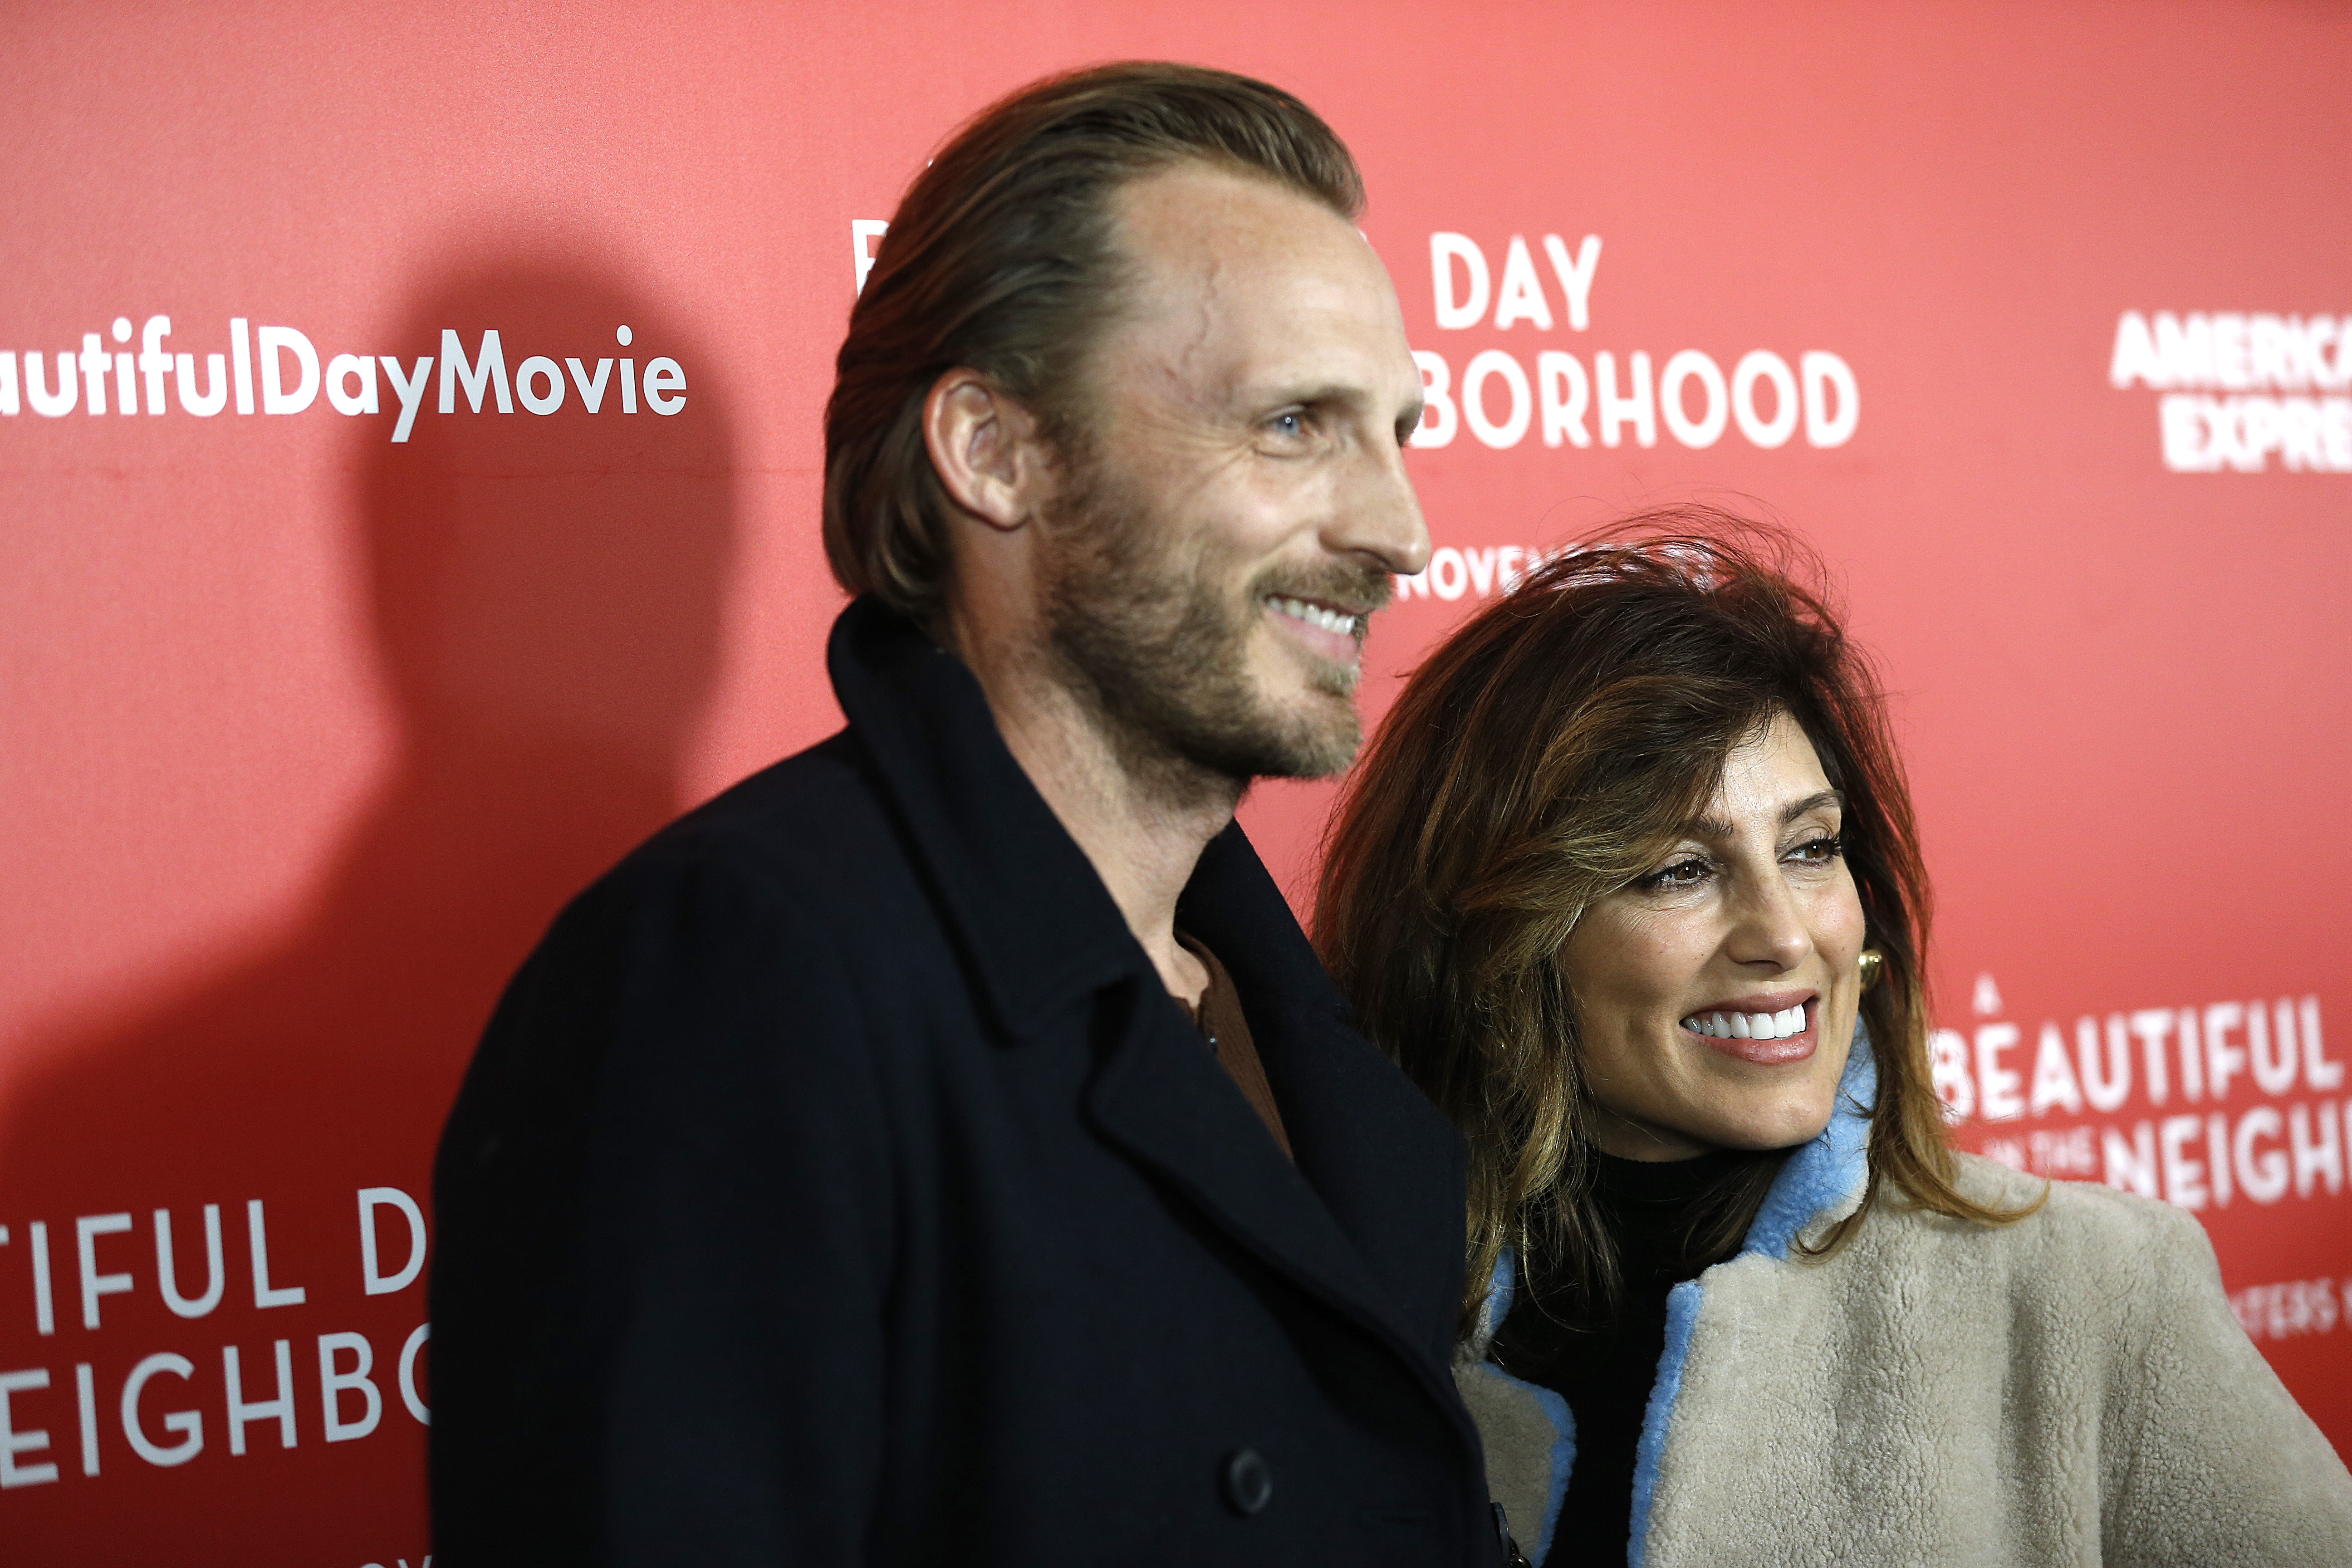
[
  {"x": 1822, "y": 1184},
  {"x": 1824, "y": 1180}
]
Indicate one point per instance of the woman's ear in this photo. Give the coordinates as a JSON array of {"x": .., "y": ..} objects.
[{"x": 985, "y": 448}]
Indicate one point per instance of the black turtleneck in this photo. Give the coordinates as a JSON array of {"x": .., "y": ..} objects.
[{"x": 1605, "y": 1369}]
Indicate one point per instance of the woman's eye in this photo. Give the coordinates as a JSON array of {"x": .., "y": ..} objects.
[
  {"x": 1819, "y": 851},
  {"x": 1681, "y": 874}
]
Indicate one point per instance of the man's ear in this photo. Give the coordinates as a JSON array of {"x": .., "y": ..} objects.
[{"x": 985, "y": 448}]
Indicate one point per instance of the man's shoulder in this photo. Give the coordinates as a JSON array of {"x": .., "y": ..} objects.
[
  {"x": 816, "y": 817},
  {"x": 793, "y": 874},
  {"x": 804, "y": 850}
]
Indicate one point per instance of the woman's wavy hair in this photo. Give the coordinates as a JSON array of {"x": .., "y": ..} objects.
[
  {"x": 1545, "y": 756},
  {"x": 1001, "y": 259}
]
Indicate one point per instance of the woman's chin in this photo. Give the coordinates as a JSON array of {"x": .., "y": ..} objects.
[
  {"x": 1776, "y": 1127},
  {"x": 1788, "y": 1134}
]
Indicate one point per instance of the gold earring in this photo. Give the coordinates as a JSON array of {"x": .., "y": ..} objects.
[{"x": 1874, "y": 964}]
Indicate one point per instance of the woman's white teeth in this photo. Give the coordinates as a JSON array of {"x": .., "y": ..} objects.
[
  {"x": 1317, "y": 616},
  {"x": 1781, "y": 1026}
]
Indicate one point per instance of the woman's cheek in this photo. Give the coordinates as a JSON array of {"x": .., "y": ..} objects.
[{"x": 1848, "y": 921}]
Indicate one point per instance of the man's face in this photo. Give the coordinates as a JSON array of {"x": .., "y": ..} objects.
[{"x": 1237, "y": 500}]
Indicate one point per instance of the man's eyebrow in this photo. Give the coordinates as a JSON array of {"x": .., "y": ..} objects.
[
  {"x": 1716, "y": 827},
  {"x": 1323, "y": 395}
]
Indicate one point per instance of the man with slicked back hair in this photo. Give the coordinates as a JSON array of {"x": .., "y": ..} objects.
[{"x": 944, "y": 1147}]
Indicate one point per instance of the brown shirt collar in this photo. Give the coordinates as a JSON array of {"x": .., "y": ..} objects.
[{"x": 1220, "y": 1017}]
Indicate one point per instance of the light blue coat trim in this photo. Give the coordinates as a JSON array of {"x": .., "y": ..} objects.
[
  {"x": 1829, "y": 1171},
  {"x": 1682, "y": 1312},
  {"x": 1500, "y": 1288},
  {"x": 1826, "y": 1174},
  {"x": 1562, "y": 1460},
  {"x": 1555, "y": 1409}
]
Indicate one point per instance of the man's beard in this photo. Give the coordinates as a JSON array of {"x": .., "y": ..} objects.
[{"x": 1148, "y": 639}]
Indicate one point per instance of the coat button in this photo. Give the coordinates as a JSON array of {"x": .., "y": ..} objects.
[{"x": 1246, "y": 1481}]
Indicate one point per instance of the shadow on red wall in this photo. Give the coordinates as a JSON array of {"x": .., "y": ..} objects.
[{"x": 546, "y": 594}]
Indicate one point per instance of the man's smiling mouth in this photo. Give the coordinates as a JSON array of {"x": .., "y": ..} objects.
[{"x": 1321, "y": 617}]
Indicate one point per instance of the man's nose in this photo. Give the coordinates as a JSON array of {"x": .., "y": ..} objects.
[{"x": 1378, "y": 515}]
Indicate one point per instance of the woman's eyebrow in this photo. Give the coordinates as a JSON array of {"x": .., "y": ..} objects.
[
  {"x": 1796, "y": 809},
  {"x": 1716, "y": 827}
]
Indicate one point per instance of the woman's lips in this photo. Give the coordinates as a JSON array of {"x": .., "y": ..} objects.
[
  {"x": 1778, "y": 1052},
  {"x": 1767, "y": 1053}
]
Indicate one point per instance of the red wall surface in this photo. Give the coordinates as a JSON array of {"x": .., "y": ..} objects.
[{"x": 306, "y": 730}]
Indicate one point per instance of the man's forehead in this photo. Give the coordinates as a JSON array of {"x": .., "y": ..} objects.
[
  {"x": 1209, "y": 202},
  {"x": 1238, "y": 268}
]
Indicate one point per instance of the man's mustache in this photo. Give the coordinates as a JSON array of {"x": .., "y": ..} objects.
[{"x": 1355, "y": 590}]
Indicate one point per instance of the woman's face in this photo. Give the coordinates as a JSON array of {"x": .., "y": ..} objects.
[{"x": 1716, "y": 993}]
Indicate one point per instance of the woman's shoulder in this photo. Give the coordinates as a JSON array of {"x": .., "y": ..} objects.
[
  {"x": 2217, "y": 1464},
  {"x": 2077, "y": 1239},
  {"x": 2075, "y": 1213}
]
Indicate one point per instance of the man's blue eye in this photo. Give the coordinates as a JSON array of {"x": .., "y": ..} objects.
[{"x": 1290, "y": 424}]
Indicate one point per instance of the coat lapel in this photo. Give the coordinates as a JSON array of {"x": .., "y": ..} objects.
[
  {"x": 1370, "y": 1220},
  {"x": 1387, "y": 1166},
  {"x": 1162, "y": 1099}
]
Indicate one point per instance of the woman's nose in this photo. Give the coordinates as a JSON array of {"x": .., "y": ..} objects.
[{"x": 1769, "y": 925}]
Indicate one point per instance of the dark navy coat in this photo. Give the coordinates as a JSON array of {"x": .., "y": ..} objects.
[{"x": 838, "y": 1184}]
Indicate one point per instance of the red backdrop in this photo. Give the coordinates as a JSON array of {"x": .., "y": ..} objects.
[{"x": 2033, "y": 318}]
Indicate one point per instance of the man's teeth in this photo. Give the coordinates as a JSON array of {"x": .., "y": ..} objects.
[
  {"x": 1781, "y": 1026},
  {"x": 1317, "y": 616}
]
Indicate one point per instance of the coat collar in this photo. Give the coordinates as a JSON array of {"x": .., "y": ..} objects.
[
  {"x": 1825, "y": 1179},
  {"x": 1370, "y": 1218},
  {"x": 1021, "y": 896}
]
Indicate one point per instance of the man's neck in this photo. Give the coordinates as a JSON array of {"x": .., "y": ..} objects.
[{"x": 1141, "y": 822}]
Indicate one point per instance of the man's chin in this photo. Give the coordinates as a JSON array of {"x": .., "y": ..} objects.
[{"x": 1310, "y": 745}]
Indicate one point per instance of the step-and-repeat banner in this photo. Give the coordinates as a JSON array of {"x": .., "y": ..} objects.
[{"x": 408, "y": 491}]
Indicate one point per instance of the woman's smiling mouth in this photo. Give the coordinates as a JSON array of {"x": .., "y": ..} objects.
[{"x": 1759, "y": 1032}]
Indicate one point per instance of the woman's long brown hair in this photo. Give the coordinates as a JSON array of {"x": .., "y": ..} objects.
[{"x": 1545, "y": 756}]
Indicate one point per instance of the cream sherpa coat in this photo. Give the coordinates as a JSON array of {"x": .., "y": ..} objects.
[{"x": 2071, "y": 1389}]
